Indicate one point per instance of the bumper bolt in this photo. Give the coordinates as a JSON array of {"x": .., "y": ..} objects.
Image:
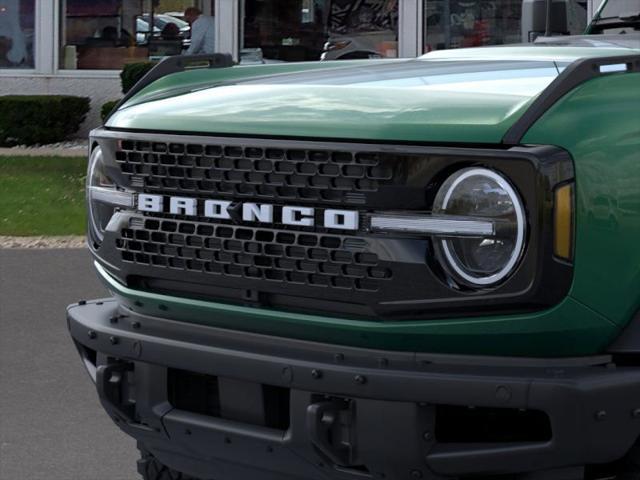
[
  {"x": 360, "y": 379},
  {"x": 113, "y": 340},
  {"x": 114, "y": 319},
  {"x": 636, "y": 413},
  {"x": 135, "y": 325},
  {"x": 91, "y": 334},
  {"x": 427, "y": 436},
  {"x": 503, "y": 394},
  {"x": 601, "y": 415},
  {"x": 416, "y": 474},
  {"x": 287, "y": 374},
  {"x": 383, "y": 362},
  {"x": 317, "y": 374},
  {"x": 338, "y": 357}
]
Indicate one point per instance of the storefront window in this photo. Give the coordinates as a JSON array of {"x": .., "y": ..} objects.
[
  {"x": 471, "y": 23},
  {"x": 305, "y": 30},
  {"x": 107, "y": 34},
  {"x": 17, "y": 19},
  {"x": 474, "y": 23}
]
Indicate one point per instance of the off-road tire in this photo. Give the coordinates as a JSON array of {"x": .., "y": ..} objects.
[{"x": 151, "y": 469}]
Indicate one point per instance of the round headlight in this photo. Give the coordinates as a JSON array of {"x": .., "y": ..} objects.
[
  {"x": 483, "y": 260},
  {"x": 100, "y": 212}
]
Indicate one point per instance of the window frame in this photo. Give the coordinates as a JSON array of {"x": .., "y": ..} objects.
[
  {"x": 56, "y": 17},
  {"x": 409, "y": 26}
]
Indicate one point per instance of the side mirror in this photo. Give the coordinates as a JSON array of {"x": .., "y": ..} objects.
[{"x": 534, "y": 18}]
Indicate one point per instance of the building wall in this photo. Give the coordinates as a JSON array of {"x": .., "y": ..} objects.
[
  {"x": 49, "y": 77},
  {"x": 99, "y": 90}
]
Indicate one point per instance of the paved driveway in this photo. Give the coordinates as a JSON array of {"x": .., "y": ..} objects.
[{"x": 51, "y": 424}]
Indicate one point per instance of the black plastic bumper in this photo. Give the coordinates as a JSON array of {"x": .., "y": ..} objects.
[{"x": 350, "y": 412}]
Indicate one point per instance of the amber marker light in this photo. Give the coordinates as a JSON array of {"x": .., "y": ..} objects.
[{"x": 563, "y": 222}]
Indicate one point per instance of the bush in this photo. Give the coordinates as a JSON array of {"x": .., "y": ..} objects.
[
  {"x": 40, "y": 119},
  {"x": 107, "y": 108},
  {"x": 133, "y": 72}
]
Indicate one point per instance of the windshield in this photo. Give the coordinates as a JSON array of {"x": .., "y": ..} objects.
[
  {"x": 618, "y": 8},
  {"x": 617, "y": 17}
]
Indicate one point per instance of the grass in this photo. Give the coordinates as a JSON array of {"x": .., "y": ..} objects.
[{"x": 42, "y": 196}]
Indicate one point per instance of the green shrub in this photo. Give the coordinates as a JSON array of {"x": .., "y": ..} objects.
[
  {"x": 40, "y": 119},
  {"x": 133, "y": 72},
  {"x": 107, "y": 108}
]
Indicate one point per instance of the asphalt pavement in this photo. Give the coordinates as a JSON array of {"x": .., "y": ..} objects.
[{"x": 52, "y": 426}]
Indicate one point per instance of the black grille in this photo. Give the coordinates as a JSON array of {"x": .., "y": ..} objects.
[
  {"x": 352, "y": 274},
  {"x": 249, "y": 171},
  {"x": 311, "y": 259}
]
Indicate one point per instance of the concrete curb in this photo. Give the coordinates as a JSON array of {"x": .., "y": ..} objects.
[
  {"x": 43, "y": 152},
  {"x": 40, "y": 242}
]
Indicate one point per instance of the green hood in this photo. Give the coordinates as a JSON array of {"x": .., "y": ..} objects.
[{"x": 470, "y": 96}]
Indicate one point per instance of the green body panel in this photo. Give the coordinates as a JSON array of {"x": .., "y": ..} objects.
[
  {"x": 330, "y": 112},
  {"x": 183, "y": 82},
  {"x": 526, "y": 52},
  {"x": 190, "y": 80},
  {"x": 261, "y": 101},
  {"x": 599, "y": 123},
  {"x": 570, "y": 329}
]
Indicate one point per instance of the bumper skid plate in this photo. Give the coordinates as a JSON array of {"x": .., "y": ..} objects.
[{"x": 221, "y": 404}]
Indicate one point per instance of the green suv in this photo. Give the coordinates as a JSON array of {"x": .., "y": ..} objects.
[{"x": 374, "y": 269}]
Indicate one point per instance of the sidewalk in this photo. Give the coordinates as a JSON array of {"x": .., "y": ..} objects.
[
  {"x": 43, "y": 152},
  {"x": 63, "y": 241},
  {"x": 71, "y": 148}
]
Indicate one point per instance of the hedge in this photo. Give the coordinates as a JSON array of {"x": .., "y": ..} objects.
[
  {"x": 107, "y": 108},
  {"x": 40, "y": 119},
  {"x": 132, "y": 72}
]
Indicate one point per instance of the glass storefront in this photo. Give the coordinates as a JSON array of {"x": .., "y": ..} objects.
[
  {"x": 474, "y": 23},
  {"x": 107, "y": 34},
  {"x": 471, "y": 23},
  {"x": 307, "y": 30},
  {"x": 17, "y": 37}
]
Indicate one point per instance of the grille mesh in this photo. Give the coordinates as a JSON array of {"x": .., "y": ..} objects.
[
  {"x": 279, "y": 256},
  {"x": 248, "y": 171}
]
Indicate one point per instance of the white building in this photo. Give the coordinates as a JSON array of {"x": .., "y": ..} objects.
[{"x": 78, "y": 47}]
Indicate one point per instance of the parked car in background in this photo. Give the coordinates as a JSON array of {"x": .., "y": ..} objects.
[
  {"x": 361, "y": 45},
  {"x": 178, "y": 15},
  {"x": 160, "y": 24}
]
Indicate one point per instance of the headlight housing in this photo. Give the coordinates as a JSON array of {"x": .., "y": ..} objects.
[
  {"x": 482, "y": 260},
  {"x": 104, "y": 197}
]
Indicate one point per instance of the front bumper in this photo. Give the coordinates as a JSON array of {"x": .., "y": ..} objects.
[{"x": 350, "y": 412}]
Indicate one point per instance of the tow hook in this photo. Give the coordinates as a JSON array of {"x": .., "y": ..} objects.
[
  {"x": 110, "y": 381},
  {"x": 329, "y": 423}
]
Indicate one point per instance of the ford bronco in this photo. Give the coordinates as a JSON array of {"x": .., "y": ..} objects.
[{"x": 389, "y": 269}]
